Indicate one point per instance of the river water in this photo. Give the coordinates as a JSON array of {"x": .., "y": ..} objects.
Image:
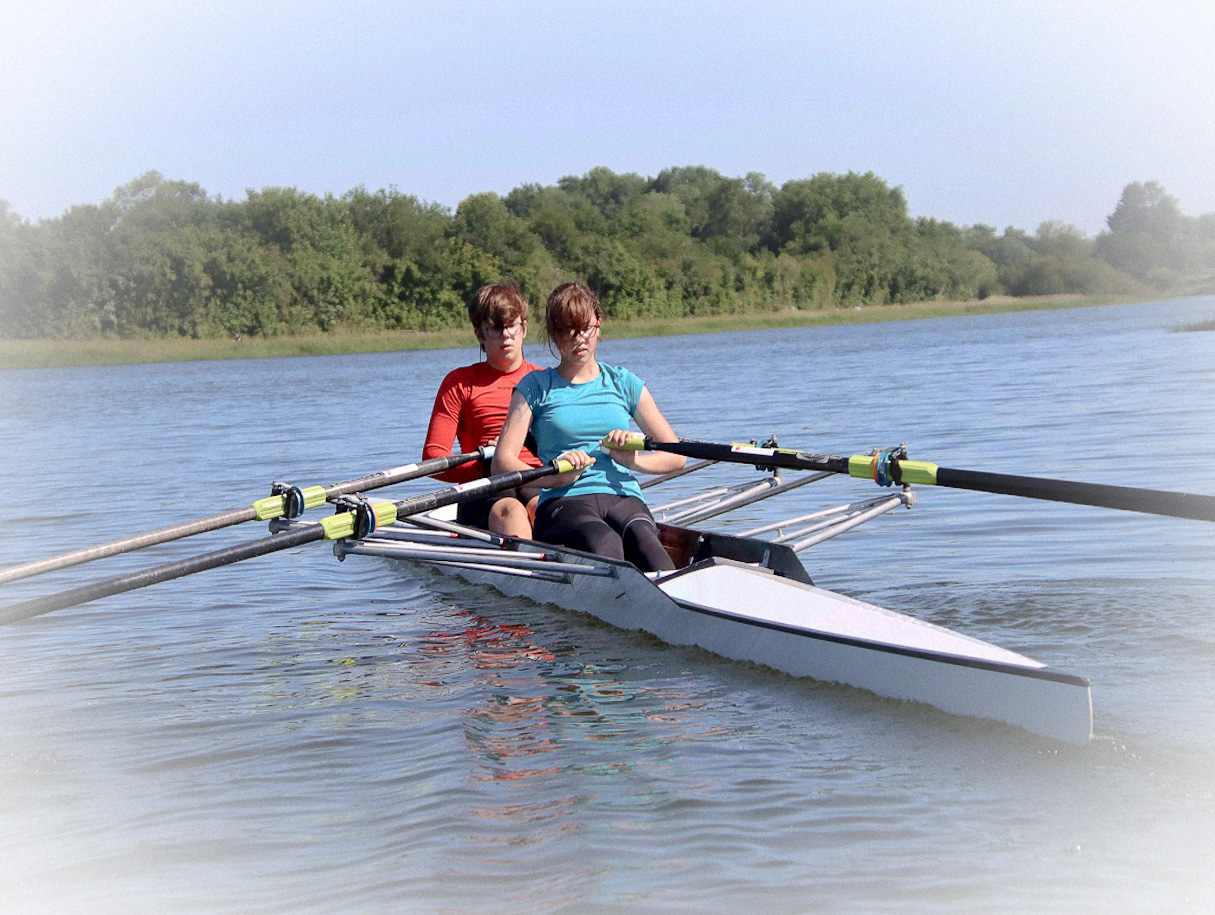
[{"x": 294, "y": 735}]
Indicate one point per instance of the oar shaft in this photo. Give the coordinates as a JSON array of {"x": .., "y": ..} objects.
[
  {"x": 127, "y": 544},
  {"x": 755, "y": 455},
  {"x": 511, "y": 479},
  {"x": 228, "y": 518},
  {"x": 167, "y": 572},
  {"x": 1126, "y": 498},
  {"x": 402, "y": 474},
  {"x": 676, "y": 474},
  {"x": 333, "y": 527}
]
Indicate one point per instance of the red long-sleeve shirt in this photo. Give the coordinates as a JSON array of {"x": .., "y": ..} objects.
[{"x": 471, "y": 406}]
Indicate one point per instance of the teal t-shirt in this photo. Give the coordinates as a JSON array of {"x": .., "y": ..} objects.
[{"x": 569, "y": 416}]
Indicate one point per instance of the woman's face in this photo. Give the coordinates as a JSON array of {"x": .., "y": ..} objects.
[{"x": 577, "y": 347}]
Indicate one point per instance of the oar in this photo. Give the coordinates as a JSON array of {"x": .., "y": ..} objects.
[
  {"x": 335, "y": 527},
  {"x": 893, "y": 467},
  {"x": 262, "y": 510},
  {"x": 675, "y": 474}
]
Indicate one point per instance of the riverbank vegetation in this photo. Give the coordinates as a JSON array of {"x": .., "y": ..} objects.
[
  {"x": 46, "y": 353},
  {"x": 162, "y": 262}
]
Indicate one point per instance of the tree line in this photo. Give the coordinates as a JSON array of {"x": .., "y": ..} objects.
[{"x": 163, "y": 258}]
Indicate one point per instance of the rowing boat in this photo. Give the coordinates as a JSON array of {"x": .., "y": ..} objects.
[
  {"x": 743, "y": 595},
  {"x": 749, "y": 598}
]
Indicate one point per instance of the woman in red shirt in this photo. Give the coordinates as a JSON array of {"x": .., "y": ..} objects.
[{"x": 471, "y": 407}]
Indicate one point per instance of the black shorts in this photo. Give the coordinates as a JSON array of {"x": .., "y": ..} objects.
[
  {"x": 619, "y": 527},
  {"x": 475, "y": 513}
]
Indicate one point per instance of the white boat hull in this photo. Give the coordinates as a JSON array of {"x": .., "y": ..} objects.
[{"x": 748, "y": 613}]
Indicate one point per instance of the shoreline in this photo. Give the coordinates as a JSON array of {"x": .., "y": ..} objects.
[{"x": 25, "y": 354}]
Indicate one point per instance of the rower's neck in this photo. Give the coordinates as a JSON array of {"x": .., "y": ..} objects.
[
  {"x": 578, "y": 372},
  {"x": 504, "y": 367}
]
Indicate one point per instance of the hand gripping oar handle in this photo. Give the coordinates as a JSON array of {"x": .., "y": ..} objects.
[
  {"x": 261, "y": 510},
  {"x": 334, "y": 527},
  {"x": 901, "y": 470}
]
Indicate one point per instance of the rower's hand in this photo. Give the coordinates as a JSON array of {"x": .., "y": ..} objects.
[
  {"x": 618, "y": 441},
  {"x": 622, "y": 438},
  {"x": 580, "y": 459}
]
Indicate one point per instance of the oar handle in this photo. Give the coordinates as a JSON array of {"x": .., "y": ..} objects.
[{"x": 636, "y": 442}]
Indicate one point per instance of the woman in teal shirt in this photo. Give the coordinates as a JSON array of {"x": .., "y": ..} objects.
[{"x": 570, "y": 410}]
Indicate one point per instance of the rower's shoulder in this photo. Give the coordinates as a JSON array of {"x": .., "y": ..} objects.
[
  {"x": 463, "y": 376},
  {"x": 621, "y": 378},
  {"x": 617, "y": 371},
  {"x": 539, "y": 375},
  {"x": 536, "y": 383}
]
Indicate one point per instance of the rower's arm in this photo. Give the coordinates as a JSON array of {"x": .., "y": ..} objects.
[
  {"x": 510, "y": 439},
  {"x": 510, "y": 443},
  {"x": 655, "y": 425},
  {"x": 442, "y": 432}
]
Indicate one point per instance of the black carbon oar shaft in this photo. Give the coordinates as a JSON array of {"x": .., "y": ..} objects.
[
  {"x": 477, "y": 488},
  {"x": 224, "y": 519},
  {"x": 756, "y": 455},
  {"x": 167, "y": 572},
  {"x": 1100, "y": 495}
]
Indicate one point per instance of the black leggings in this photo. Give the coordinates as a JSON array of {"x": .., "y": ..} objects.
[{"x": 619, "y": 527}]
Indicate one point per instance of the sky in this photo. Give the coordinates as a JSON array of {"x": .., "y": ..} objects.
[{"x": 1005, "y": 113}]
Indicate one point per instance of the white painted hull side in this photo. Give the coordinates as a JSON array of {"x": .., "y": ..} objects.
[
  {"x": 811, "y": 632},
  {"x": 975, "y": 679}
]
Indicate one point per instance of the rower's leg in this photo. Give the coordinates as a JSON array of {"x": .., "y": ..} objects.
[
  {"x": 642, "y": 545},
  {"x": 510, "y": 517},
  {"x": 575, "y": 521}
]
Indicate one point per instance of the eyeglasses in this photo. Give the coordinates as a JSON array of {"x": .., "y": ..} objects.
[
  {"x": 510, "y": 330},
  {"x": 570, "y": 334}
]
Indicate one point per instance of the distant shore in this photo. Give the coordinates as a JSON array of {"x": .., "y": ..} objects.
[{"x": 19, "y": 354}]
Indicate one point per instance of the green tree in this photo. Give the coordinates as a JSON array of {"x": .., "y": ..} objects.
[
  {"x": 321, "y": 253},
  {"x": 1063, "y": 240},
  {"x": 740, "y": 211},
  {"x": 608, "y": 193},
  {"x": 626, "y": 286},
  {"x": 808, "y": 215},
  {"x": 1146, "y": 208},
  {"x": 22, "y": 278},
  {"x": 1150, "y": 238},
  {"x": 485, "y": 222}
]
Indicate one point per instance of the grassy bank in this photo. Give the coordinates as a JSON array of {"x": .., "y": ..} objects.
[{"x": 47, "y": 353}]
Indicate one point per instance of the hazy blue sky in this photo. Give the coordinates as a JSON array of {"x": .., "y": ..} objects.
[{"x": 1008, "y": 113}]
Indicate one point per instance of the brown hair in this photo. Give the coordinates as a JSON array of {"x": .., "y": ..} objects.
[
  {"x": 571, "y": 306},
  {"x": 498, "y": 305}
]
